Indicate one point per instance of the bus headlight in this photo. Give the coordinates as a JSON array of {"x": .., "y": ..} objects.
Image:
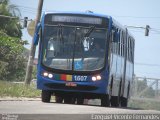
[
  {"x": 50, "y": 75},
  {"x": 98, "y": 77},
  {"x": 95, "y": 78},
  {"x": 45, "y": 74}
]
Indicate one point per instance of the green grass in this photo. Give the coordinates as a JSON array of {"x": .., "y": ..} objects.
[
  {"x": 146, "y": 105},
  {"x": 8, "y": 89}
]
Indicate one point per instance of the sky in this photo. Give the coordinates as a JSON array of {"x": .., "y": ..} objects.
[{"x": 127, "y": 12}]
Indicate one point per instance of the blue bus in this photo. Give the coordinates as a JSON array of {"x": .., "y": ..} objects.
[{"x": 84, "y": 56}]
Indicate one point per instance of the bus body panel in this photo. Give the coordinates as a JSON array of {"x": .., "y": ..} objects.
[{"x": 99, "y": 87}]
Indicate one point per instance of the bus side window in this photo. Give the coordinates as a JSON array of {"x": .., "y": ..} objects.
[
  {"x": 123, "y": 44},
  {"x": 40, "y": 43},
  {"x": 117, "y": 41},
  {"x": 128, "y": 49},
  {"x": 129, "y": 53},
  {"x": 127, "y": 42},
  {"x": 132, "y": 50},
  {"x": 120, "y": 40},
  {"x": 113, "y": 43}
]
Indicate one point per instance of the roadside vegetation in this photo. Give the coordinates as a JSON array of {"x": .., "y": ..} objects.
[
  {"x": 9, "y": 89},
  {"x": 146, "y": 105}
]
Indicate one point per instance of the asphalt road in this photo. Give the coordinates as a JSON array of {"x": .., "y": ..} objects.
[{"x": 36, "y": 110}]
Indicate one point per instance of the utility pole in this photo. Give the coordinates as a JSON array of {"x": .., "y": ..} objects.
[{"x": 33, "y": 48}]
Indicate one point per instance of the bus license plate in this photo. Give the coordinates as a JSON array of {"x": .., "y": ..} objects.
[{"x": 70, "y": 84}]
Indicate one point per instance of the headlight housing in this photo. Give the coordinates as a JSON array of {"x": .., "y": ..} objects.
[
  {"x": 96, "y": 78},
  {"x": 46, "y": 74}
]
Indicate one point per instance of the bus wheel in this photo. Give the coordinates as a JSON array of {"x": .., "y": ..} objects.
[
  {"x": 114, "y": 101},
  {"x": 80, "y": 101},
  {"x": 105, "y": 102},
  {"x": 73, "y": 101},
  {"x": 67, "y": 100},
  {"x": 58, "y": 99},
  {"x": 46, "y": 96},
  {"x": 124, "y": 102}
]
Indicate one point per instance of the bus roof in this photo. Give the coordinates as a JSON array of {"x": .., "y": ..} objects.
[
  {"x": 80, "y": 13},
  {"x": 114, "y": 22}
]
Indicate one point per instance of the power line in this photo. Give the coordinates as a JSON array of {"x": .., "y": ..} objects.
[
  {"x": 138, "y": 17},
  {"x": 27, "y": 7},
  {"x": 31, "y": 12},
  {"x": 146, "y": 64}
]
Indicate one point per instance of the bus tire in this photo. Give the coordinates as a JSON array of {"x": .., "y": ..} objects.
[
  {"x": 58, "y": 99},
  {"x": 73, "y": 101},
  {"x": 114, "y": 101},
  {"x": 105, "y": 102},
  {"x": 80, "y": 101},
  {"x": 46, "y": 96},
  {"x": 67, "y": 100},
  {"x": 124, "y": 102}
]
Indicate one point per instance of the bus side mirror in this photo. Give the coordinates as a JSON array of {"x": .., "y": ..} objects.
[
  {"x": 116, "y": 36},
  {"x": 36, "y": 34}
]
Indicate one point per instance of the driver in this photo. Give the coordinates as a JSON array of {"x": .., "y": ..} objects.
[{"x": 97, "y": 47}]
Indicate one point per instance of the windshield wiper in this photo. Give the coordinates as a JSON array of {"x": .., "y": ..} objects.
[
  {"x": 60, "y": 33},
  {"x": 89, "y": 31}
]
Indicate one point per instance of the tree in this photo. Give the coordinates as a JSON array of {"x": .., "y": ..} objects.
[
  {"x": 12, "y": 62},
  {"x": 11, "y": 27}
]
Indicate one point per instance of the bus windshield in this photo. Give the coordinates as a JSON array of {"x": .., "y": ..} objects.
[{"x": 74, "y": 48}]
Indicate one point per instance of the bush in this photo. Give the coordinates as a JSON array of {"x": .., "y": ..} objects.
[{"x": 12, "y": 61}]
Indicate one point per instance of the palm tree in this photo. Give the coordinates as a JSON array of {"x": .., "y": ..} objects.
[{"x": 11, "y": 27}]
